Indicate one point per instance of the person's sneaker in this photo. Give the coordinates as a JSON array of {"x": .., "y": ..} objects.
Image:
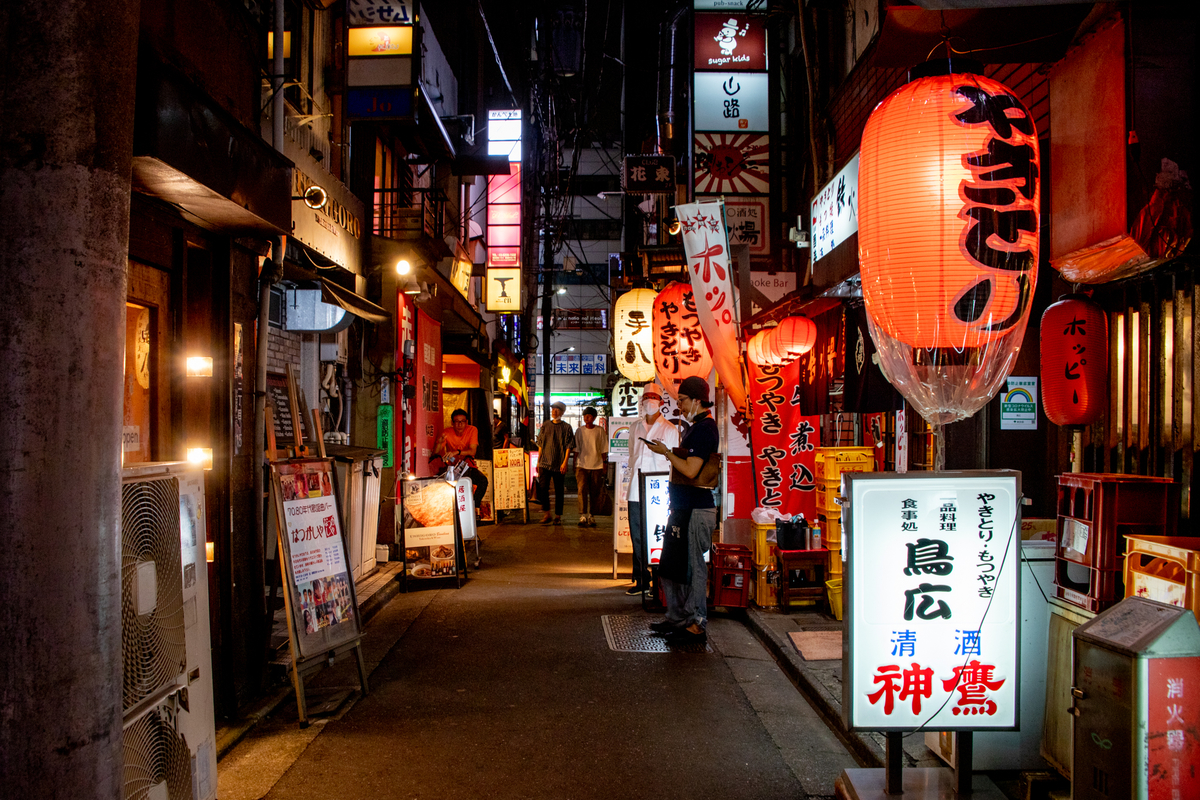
[
  {"x": 633, "y": 590},
  {"x": 664, "y": 627}
]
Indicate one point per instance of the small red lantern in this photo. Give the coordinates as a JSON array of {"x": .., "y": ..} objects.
[
  {"x": 680, "y": 349},
  {"x": 948, "y": 203},
  {"x": 1074, "y": 352},
  {"x": 797, "y": 335}
]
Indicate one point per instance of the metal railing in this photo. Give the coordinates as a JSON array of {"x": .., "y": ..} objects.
[{"x": 411, "y": 213}]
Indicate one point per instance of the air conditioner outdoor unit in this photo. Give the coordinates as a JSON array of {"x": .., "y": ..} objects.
[{"x": 169, "y": 740}]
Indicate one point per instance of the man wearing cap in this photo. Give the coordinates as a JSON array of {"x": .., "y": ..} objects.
[
  {"x": 591, "y": 447},
  {"x": 651, "y": 425},
  {"x": 695, "y": 466},
  {"x": 555, "y": 443}
]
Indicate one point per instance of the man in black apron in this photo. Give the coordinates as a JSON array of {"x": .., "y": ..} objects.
[{"x": 695, "y": 467}]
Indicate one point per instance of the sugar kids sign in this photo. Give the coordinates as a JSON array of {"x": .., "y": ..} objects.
[{"x": 933, "y": 601}]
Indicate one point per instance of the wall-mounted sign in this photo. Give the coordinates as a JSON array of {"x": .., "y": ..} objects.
[
  {"x": 649, "y": 175},
  {"x": 731, "y": 163},
  {"x": 1018, "y": 405},
  {"x": 731, "y": 41},
  {"x": 723, "y": 5},
  {"x": 503, "y": 290},
  {"x": 374, "y": 42},
  {"x": 460, "y": 276},
  {"x": 747, "y": 221},
  {"x": 380, "y": 102},
  {"x": 378, "y": 12},
  {"x": 731, "y": 101},
  {"x": 581, "y": 364},
  {"x": 835, "y": 211},
  {"x": 933, "y": 604}
]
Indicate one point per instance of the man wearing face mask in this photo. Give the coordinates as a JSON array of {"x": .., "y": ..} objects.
[
  {"x": 651, "y": 425},
  {"x": 695, "y": 466}
]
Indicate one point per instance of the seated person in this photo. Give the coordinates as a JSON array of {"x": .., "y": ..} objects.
[{"x": 459, "y": 443}]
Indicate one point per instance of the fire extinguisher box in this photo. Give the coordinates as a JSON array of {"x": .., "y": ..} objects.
[{"x": 1136, "y": 691}]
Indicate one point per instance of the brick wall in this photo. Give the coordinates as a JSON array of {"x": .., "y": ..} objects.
[{"x": 283, "y": 348}]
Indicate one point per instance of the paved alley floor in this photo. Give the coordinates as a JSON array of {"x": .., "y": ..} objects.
[{"x": 507, "y": 688}]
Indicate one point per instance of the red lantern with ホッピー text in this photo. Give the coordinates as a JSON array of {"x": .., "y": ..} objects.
[
  {"x": 680, "y": 349},
  {"x": 1074, "y": 351}
]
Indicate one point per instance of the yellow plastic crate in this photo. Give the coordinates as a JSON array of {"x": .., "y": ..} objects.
[
  {"x": 833, "y": 461},
  {"x": 764, "y": 551},
  {"x": 833, "y": 588},
  {"x": 765, "y": 590},
  {"x": 1163, "y": 568},
  {"x": 831, "y": 533},
  {"x": 835, "y": 562}
]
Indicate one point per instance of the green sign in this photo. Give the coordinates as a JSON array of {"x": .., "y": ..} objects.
[{"x": 383, "y": 434}]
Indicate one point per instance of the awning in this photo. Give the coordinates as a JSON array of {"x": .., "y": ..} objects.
[{"x": 358, "y": 306}]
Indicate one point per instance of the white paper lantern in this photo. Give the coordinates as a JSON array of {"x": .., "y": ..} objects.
[{"x": 633, "y": 335}]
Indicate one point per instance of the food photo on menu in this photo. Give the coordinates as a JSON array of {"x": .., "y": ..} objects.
[{"x": 429, "y": 510}]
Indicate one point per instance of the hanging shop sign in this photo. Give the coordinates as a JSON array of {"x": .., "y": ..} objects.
[
  {"x": 731, "y": 101},
  {"x": 1018, "y": 405},
  {"x": 835, "y": 211},
  {"x": 783, "y": 441},
  {"x": 648, "y": 175},
  {"x": 625, "y": 398},
  {"x": 747, "y": 221},
  {"x": 1074, "y": 350},
  {"x": 503, "y": 290},
  {"x": 633, "y": 336},
  {"x": 702, "y": 229},
  {"x": 384, "y": 431},
  {"x": 379, "y": 60},
  {"x": 933, "y": 601},
  {"x": 378, "y": 12},
  {"x": 680, "y": 349},
  {"x": 504, "y": 131},
  {"x": 731, "y": 41},
  {"x": 731, "y": 163}
]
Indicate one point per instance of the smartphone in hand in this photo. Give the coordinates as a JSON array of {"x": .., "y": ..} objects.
[{"x": 647, "y": 441}]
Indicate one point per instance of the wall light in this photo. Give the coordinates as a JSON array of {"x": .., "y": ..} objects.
[
  {"x": 561, "y": 290},
  {"x": 201, "y": 457},
  {"x": 403, "y": 267},
  {"x": 210, "y": 552},
  {"x": 314, "y": 197},
  {"x": 505, "y": 374},
  {"x": 199, "y": 366}
]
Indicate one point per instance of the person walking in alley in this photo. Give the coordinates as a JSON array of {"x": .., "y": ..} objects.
[
  {"x": 651, "y": 426},
  {"x": 555, "y": 443},
  {"x": 695, "y": 465},
  {"x": 591, "y": 448}
]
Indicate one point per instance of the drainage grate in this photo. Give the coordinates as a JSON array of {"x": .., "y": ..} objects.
[{"x": 630, "y": 633}]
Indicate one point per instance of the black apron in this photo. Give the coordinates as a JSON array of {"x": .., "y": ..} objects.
[{"x": 673, "y": 561}]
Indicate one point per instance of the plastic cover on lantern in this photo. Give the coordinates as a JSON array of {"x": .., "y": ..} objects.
[{"x": 949, "y": 195}]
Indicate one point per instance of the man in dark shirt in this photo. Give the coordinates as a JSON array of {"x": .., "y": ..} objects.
[{"x": 695, "y": 466}]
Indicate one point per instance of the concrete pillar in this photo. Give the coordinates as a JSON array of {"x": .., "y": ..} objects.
[{"x": 66, "y": 144}]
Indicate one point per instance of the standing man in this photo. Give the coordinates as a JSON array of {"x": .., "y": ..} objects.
[
  {"x": 695, "y": 467},
  {"x": 500, "y": 433},
  {"x": 651, "y": 425},
  {"x": 555, "y": 443},
  {"x": 460, "y": 443},
  {"x": 591, "y": 448}
]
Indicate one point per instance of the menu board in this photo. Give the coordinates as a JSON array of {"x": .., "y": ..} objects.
[
  {"x": 429, "y": 550},
  {"x": 277, "y": 396},
  {"x": 508, "y": 478}
]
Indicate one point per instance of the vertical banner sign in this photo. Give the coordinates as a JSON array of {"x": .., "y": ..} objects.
[
  {"x": 655, "y": 509},
  {"x": 900, "y": 457},
  {"x": 702, "y": 226},
  {"x": 383, "y": 435},
  {"x": 783, "y": 441},
  {"x": 933, "y": 605},
  {"x": 464, "y": 501},
  {"x": 427, "y": 416}
]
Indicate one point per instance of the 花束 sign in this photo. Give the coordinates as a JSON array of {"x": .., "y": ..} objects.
[{"x": 933, "y": 601}]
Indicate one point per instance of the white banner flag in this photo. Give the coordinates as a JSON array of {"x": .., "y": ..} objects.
[{"x": 702, "y": 226}]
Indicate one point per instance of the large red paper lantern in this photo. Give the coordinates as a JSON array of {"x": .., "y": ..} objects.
[
  {"x": 797, "y": 335},
  {"x": 948, "y": 203},
  {"x": 680, "y": 349},
  {"x": 1074, "y": 361}
]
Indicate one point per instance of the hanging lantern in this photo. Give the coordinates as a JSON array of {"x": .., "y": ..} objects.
[
  {"x": 680, "y": 349},
  {"x": 948, "y": 210},
  {"x": 948, "y": 236},
  {"x": 797, "y": 335},
  {"x": 754, "y": 349},
  {"x": 773, "y": 349},
  {"x": 633, "y": 338},
  {"x": 1074, "y": 353},
  {"x": 625, "y": 398}
]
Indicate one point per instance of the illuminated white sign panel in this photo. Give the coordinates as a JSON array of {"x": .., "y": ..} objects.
[
  {"x": 835, "y": 211},
  {"x": 731, "y": 101},
  {"x": 933, "y": 601}
]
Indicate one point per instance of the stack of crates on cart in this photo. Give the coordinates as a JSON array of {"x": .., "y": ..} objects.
[
  {"x": 1164, "y": 568},
  {"x": 831, "y": 463},
  {"x": 1096, "y": 511},
  {"x": 732, "y": 573}
]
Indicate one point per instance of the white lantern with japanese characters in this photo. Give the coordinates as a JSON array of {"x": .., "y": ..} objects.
[
  {"x": 933, "y": 582},
  {"x": 625, "y": 398},
  {"x": 633, "y": 335}
]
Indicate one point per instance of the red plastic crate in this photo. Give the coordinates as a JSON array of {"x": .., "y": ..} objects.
[
  {"x": 1097, "y": 510},
  {"x": 1101, "y": 589},
  {"x": 732, "y": 574}
]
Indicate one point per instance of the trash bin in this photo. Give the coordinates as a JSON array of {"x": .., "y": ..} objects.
[{"x": 833, "y": 588}]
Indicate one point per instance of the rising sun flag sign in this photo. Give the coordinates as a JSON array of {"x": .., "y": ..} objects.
[{"x": 702, "y": 227}]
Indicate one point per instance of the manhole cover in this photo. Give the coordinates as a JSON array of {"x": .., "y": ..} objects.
[{"x": 629, "y": 633}]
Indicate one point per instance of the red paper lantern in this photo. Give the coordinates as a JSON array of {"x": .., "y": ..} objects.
[
  {"x": 680, "y": 349},
  {"x": 948, "y": 203},
  {"x": 1074, "y": 361},
  {"x": 773, "y": 349},
  {"x": 797, "y": 335},
  {"x": 754, "y": 349}
]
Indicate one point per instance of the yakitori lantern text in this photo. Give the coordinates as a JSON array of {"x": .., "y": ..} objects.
[
  {"x": 1074, "y": 353},
  {"x": 948, "y": 211},
  {"x": 680, "y": 349}
]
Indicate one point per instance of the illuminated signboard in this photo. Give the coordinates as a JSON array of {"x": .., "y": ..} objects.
[
  {"x": 835, "y": 211},
  {"x": 933, "y": 601},
  {"x": 731, "y": 42},
  {"x": 504, "y": 196},
  {"x": 731, "y": 101},
  {"x": 503, "y": 290}
]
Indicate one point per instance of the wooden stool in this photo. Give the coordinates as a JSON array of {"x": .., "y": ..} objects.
[{"x": 788, "y": 560}]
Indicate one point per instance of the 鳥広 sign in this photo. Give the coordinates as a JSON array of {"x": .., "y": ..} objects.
[
  {"x": 933, "y": 601},
  {"x": 649, "y": 175}
]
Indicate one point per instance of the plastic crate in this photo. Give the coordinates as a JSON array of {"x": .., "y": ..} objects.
[
  {"x": 732, "y": 573},
  {"x": 1091, "y": 589},
  {"x": 1164, "y": 568},
  {"x": 831, "y": 532},
  {"x": 831, "y": 462},
  {"x": 764, "y": 551},
  {"x": 766, "y": 585},
  {"x": 1096, "y": 511}
]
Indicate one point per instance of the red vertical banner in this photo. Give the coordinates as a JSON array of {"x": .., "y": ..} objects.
[
  {"x": 427, "y": 377},
  {"x": 783, "y": 441},
  {"x": 1173, "y": 717}
]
